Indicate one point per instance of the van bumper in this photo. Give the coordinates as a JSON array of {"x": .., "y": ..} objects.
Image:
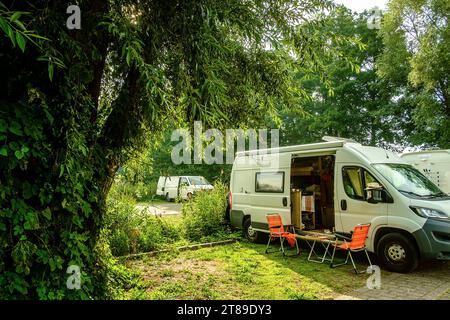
[{"x": 434, "y": 240}]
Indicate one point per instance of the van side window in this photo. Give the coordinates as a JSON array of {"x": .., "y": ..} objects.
[
  {"x": 269, "y": 182},
  {"x": 184, "y": 182},
  {"x": 355, "y": 180},
  {"x": 353, "y": 186}
]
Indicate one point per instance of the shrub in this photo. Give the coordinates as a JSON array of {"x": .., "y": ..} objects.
[
  {"x": 140, "y": 191},
  {"x": 131, "y": 231},
  {"x": 203, "y": 215}
]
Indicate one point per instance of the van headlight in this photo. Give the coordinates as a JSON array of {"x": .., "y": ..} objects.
[{"x": 429, "y": 213}]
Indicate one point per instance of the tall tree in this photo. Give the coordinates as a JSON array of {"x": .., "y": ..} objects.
[
  {"x": 416, "y": 35},
  {"x": 361, "y": 105},
  {"x": 70, "y": 119}
]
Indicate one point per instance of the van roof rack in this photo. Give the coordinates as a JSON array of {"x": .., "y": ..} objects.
[{"x": 331, "y": 139}]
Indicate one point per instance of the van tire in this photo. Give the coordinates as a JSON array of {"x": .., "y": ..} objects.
[
  {"x": 167, "y": 197},
  {"x": 397, "y": 253},
  {"x": 251, "y": 235}
]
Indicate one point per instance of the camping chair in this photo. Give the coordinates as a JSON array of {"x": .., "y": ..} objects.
[
  {"x": 276, "y": 231},
  {"x": 356, "y": 244}
]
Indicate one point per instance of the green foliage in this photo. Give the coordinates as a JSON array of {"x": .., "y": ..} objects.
[
  {"x": 33, "y": 211},
  {"x": 204, "y": 214},
  {"x": 416, "y": 35},
  {"x": 140, "y": 191},
  {"x": 131, "y": 230},
  {"x": 361, "y": 106}
]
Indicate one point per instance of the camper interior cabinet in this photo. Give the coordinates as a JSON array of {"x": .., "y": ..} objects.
[{"x": 312, "y": 195}]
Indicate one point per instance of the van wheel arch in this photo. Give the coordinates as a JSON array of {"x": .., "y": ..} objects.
[
  {"x": 401, "y": 242},
  {"x": 256, "y": 236},
  {"x": 385, "y": 230}
]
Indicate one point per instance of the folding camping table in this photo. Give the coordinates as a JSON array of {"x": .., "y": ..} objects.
[{"x": 324, "y": 239}]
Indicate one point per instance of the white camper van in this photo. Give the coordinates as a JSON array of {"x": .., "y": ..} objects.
[
  {"x": 435, "y": 164},
  {"x": 181, "y": 186},
  {"x": 337, "y": 185}
]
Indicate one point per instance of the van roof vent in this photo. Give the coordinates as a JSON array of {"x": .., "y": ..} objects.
[{"x": 331, "y": 139}]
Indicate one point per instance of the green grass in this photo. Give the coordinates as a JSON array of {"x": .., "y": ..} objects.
[{"x": 240, "y": 271}]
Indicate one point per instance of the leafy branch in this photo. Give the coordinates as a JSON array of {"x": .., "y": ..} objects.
[{"x": 19, "y": 34}]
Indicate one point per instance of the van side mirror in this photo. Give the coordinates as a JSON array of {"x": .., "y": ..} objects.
[
  {"x": 371, "y": 200},
  {"x": 374, "y": 186},
  {"x": 375, "y": 193},
  {"x": 379, "y": 196}
]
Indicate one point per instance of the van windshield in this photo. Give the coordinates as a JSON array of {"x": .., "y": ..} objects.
[
  {"x": 409, "y": 181},
  {"x": 198, "y": 181}
]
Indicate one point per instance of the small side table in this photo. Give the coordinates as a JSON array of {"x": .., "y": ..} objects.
[{"x": 325, "y": 240}]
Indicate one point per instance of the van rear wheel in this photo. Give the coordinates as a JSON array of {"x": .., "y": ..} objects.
[
  {"x": 397, "y": 253},
  {"x": 253, "y": 235},
  {"x": 167, "y": 197}
]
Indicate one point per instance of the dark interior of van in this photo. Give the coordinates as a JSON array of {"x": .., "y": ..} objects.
[{"x": 312, "y": 193}]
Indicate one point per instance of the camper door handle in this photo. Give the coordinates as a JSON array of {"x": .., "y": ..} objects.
[
  {"x": 344, "y": 205},
  {"x": 285, "y": 201}
]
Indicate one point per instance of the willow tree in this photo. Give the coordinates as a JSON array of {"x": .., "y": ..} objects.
[{"x": 75, "y": 103}]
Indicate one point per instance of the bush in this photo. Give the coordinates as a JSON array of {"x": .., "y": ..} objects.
[
  {"x": 140, "y": 191},
  {"x": 131, "y": 231},
  {"x": 204, "y": 214}
]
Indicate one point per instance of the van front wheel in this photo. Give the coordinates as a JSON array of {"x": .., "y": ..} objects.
[
  {"x": 251, "y": 234},
  {"x": 397, "y": 253}
]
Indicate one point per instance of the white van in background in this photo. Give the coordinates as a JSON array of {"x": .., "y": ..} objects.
[
  {"x": 184, "y": 187},
  {"x": 342, "y": 184},
  {"x": 160, "y": 187},
  {"x": 435, "y": 164}
]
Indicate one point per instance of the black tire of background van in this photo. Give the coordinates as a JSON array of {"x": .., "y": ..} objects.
[
  {"x": 167, "y": 197},
  {"x": 227, "y": 216},
  {"x": 411, "y": 253},
  {"x": 259, "y": 237}
]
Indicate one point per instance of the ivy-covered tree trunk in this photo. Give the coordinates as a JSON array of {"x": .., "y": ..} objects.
[{"x": 56, "y": 170}]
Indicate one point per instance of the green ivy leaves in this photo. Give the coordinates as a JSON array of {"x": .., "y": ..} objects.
[
  {"x": 22, "y": 255},
  {"x": 3, "y": 125},
  {"x": 16, "y": 128},
  {"x": 31, "y": 221},
  {"x": 20, "y": 151}
]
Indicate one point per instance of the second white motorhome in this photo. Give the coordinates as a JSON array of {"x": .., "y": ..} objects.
[
  {"x": 184, "y": 187},
  {"x": 435, "y": 164},
  {"x": 337, "y": 185}
]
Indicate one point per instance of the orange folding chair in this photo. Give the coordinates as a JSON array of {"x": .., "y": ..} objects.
[
  {"x": 276, "y": 231},
  {"x": 356, "y": 244}
]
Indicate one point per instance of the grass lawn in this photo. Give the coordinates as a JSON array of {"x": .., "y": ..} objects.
[{"x": 239, "y": 271}]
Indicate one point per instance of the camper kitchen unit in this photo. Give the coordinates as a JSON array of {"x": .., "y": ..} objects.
[{"x": 336, "y": 185}]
